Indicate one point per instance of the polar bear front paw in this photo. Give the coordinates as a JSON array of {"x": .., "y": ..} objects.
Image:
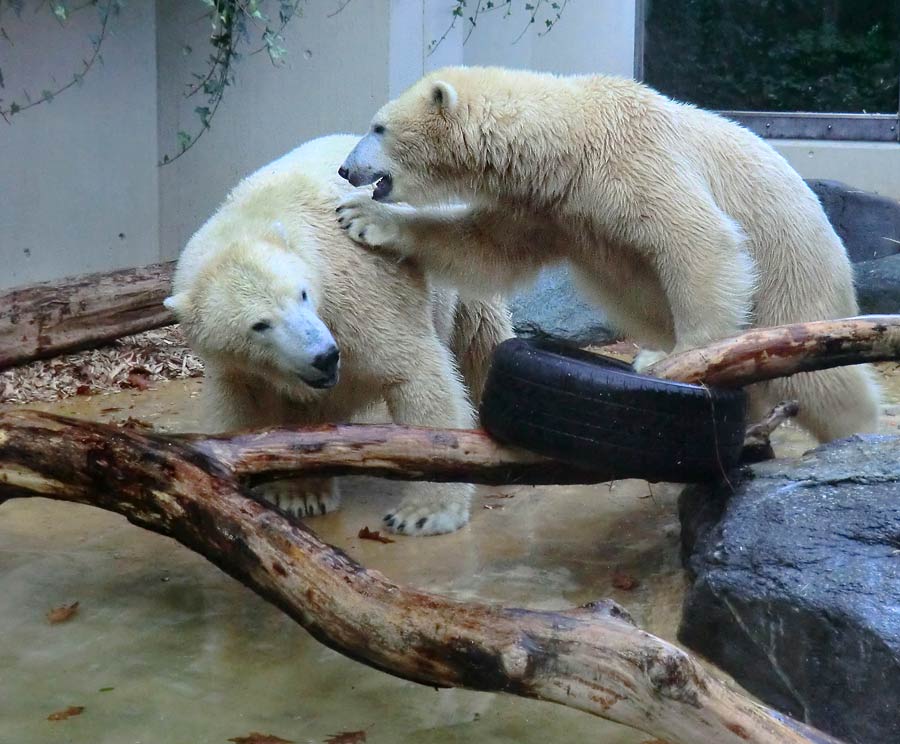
[
  {"x": 647, "y": 358},
  {"x": 301, "y": 497},
  {"x": 430, "y": 514},
  {"x": 371, "y": 223}
]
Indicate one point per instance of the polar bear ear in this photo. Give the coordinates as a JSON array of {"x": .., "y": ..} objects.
[
  {"x": 279, "y": 229},
  {"x": 177, "y": 303},
  {"x": 443, "y": 96}
]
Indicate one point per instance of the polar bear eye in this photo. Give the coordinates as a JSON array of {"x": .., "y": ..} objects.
[
  {"x": 378, "y": 129},
  {"x": 303, "y": 295},
  {"x": 263, "y": 325}
]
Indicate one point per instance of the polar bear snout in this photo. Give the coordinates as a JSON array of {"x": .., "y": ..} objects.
[
  {"x": 368, "y": 163},
  {"x": 306, "y": 348},
  {"x": 328, "y": 362}
]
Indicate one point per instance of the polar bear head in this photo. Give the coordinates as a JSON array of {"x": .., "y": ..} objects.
[
  {"x": 252, "y": 308},
  {"x": 422, "y": 146}
]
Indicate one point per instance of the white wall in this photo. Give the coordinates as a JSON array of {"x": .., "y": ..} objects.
[
  {"x": 591, "y": 36},
  {"x": 871, "y": 166},
  {"x": 334, "y": 78},
  {"x": 78, "y": 177}
]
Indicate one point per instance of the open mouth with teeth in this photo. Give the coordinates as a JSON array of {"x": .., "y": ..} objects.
[{"x": 383, "y": 187}]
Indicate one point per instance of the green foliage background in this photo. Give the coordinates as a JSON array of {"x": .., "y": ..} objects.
[{"x": 776, "y": 55}]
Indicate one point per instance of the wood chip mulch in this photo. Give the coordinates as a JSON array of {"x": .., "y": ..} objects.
[{"x": 127, "y": 363}]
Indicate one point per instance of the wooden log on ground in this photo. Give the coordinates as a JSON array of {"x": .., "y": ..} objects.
[
  {"x": 386, "y": 451},
  {"x": 781, "y": 351},
  {"x": 410, "y": 453},
  {"x": 52, "y": 318},
  {"x": 591, "y": 658}
]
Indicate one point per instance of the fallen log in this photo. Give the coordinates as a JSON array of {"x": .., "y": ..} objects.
[
  {"x": 781, "y": 351},
  {"x": 412, "y": 453},
  {"x": 591, "y": 658},
  {"x": 386, "y": 451},
  {"x": 52, "y": 318}
]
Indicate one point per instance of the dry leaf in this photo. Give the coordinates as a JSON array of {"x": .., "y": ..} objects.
[
  {"x": 139, "y": 377},
  {"x": 493, "y": 506},
  {"x": 256, "y": 738},
  {"x": 134, "y": 423},
  {"x": 61, "y": 614},
  {"x": 62, "y": 715},
  {"x": 366, "y": 534},
  {"x": 625, "y": 582},
  {"x": 347, "y": 737}
]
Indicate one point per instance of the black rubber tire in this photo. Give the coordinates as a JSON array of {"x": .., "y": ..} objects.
[{"x": 597, "y": 412}]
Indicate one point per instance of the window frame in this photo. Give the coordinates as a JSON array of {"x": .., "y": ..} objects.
[{"x": 837, "y": 127}]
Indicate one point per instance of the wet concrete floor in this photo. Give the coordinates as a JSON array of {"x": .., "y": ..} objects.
[{"x": 166, "y": 649}]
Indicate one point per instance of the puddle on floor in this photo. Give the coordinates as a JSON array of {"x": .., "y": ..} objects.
[{"x": 165, "y": 649}]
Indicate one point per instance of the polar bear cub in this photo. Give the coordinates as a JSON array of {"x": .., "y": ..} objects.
[
  {"x": 298, "y": 325},
  {"x": 684, "y": 226}
]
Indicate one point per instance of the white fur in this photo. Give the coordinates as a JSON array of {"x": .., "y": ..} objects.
[
  {"x": 274, "y": 238},
  {"x": 683, "y": 226}
]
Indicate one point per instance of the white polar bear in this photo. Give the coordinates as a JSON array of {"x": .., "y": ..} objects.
[
  {"x": 300, "y": 326},
  {"x": 684, "y": 226}
]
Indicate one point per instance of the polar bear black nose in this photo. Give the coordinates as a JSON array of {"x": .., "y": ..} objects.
[
  {"x": 344, "y": 172},
  {"x": 327, "y": 361}
]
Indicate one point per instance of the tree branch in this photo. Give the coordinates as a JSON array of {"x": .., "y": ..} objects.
[
  {"x": 386, "y": 451},
  {"x": 591, "y": 658},
  {"x": 781, "y": 351}
]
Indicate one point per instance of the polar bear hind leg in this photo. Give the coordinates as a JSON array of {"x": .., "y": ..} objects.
[{"x": 834, "y": 403}]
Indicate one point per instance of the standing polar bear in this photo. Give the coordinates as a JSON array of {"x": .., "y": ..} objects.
[
  {"x": 299, "y": 326},
  {"x": 684, "y": 226}
]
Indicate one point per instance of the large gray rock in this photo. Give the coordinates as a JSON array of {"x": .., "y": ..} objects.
[
  {"x": 868, "y": 224},
  {"x": 796, "y": 584},
  {"x": 878, "y": 285},
  {"x": 553, "y": 306}
]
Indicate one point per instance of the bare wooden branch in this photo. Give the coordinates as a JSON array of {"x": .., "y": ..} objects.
[
  {"x": 396, "y": 452},
  {"x": 44, "y": 320},
  {"x": 777, "y": 416},
  {"x": 590, "y": 658},
  {"x": 757, "y": 440},
  {"x": 765, "y": 353}
]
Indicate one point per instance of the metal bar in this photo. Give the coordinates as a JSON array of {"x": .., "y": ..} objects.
[{"x": 836, "y": 127}]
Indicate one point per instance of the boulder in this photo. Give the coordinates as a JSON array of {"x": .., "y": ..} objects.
[
  {"x": 554, "y": 307},
  {"x": 878, "y": 285},
  {"x": 868, "y": 224},
  {"x": 795, "y": 570}
]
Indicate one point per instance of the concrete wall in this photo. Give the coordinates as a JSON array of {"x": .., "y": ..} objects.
[
  {"x": 334, "y": 78},
  {"x": 590, "y": 37},
  {"x": 595, "y": 36},
  {"x": 78, "y": 177},
  {"x": 870, "y": 166}
]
